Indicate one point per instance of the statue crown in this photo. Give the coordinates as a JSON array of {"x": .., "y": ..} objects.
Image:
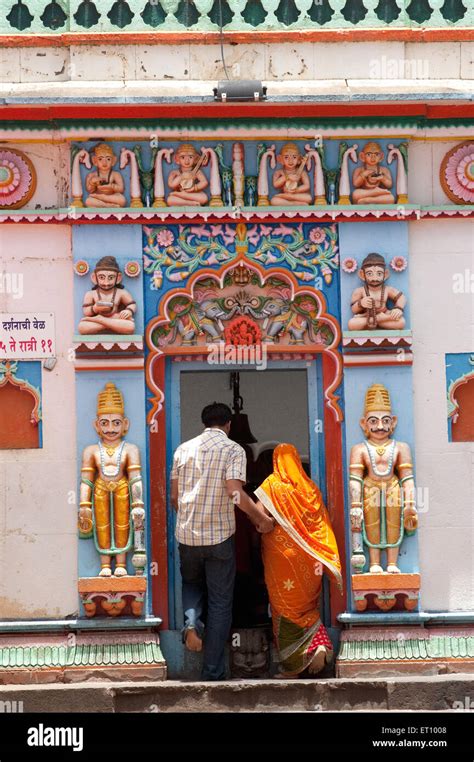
[
  {"x": 377, "y": 398},
  {"x": 110, "y": 400}
]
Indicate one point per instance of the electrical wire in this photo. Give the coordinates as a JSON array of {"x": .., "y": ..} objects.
[{"x": 222, "y": 40}]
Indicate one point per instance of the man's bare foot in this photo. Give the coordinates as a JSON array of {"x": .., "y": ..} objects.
[
  {"x": 284, "y": 676},
  {"x": 106, "y": 571},
  {"x": 192, "y": 640},
  {"x": 120, "y": 571},
  {"x": 393, "y": 569}
]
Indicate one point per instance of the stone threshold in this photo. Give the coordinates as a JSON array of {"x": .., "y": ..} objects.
[{"x": 441, "y": 693}]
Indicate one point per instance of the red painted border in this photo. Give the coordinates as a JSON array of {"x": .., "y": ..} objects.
[
  {"x": 335, "y": 490},
  {"x": 213, "y": 110},
  {"x": 233, "y": 38},
  {"x": 158, "y": 517}
]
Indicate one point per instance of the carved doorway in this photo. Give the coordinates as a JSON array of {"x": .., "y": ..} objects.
[{"x": 283, "y": 403}]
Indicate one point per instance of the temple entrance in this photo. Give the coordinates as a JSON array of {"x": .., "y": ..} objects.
[{"x": 282, "y": 405}]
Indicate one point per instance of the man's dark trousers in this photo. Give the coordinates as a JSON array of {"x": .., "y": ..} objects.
[{"x": 210, "y": 567}]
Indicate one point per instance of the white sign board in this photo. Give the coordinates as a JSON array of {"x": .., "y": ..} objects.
[{"x": 27, "y": 336}]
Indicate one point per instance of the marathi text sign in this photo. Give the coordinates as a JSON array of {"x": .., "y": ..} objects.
[{"x": 27, "y": 336}]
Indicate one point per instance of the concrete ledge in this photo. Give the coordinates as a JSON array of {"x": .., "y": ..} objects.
[
  {"x": 440, "y": 693},
  {"x": 189, "y": 91}
]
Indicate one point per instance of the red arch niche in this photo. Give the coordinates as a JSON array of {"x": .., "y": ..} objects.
[
  {"x": 463, "y": 423},
  {"x": 19, "y": 412}
]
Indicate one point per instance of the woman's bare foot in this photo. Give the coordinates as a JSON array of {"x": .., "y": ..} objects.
[{"x": 318, "y": 661}]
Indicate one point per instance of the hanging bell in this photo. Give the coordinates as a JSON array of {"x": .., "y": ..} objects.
[{"x": 240, "y": 429}]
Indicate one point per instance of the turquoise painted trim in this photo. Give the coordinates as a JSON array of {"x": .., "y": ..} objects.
[
  {"x": 400, "y": 617},
  {"x": 315, "y": 402},
  {"x": 54, "y": 625},
  {"x": 103, "y": 16},
  {"x": 173, "y": 436},
  {"x": 163, "y": 126}
]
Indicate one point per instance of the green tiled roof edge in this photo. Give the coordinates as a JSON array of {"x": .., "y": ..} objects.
[
  {"x": 414, "y": 649},
  {"x": 90, "y": 654}
]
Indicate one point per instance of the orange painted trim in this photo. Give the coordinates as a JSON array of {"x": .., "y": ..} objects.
[
  {"x": 212, "y": 38},
  {"x": 25, "y": 386},
  {"x": 334, "y": 490},
  {"x": 163, "y": 318},
  {"x": 157, "y": 448}
]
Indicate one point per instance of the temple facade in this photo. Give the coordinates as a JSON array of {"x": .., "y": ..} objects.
[{"x": 301, "y": 250}]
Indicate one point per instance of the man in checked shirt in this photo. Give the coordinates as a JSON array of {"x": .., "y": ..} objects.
[{"x": 207, "y": 478}]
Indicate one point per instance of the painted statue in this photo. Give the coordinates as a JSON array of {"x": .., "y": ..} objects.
[
  {"x": 188, "y": 183},
  {"x": 297, "y": 319},
  {"x": 369, "y": 301},
  {"x": 108, "y": 307},
  {"x": 111, "y": 507},
  {"x": 372, "y": 182},
  {"x": 291, "y": 181},
  {"x": 265, "y": 158},
  {"x": 194, "y": 319},
  {"x": 382, "y": 487},
  {"x": 238, "y": 173},
  {"x": 104, "y": 184}
]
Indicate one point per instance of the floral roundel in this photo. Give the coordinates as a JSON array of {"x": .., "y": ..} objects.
[
  {"x": 17, "y": 179},
  {"x": 457, "y": 174}
]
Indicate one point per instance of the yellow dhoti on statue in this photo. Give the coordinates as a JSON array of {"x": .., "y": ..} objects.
[
  {"x": 112, "y": 516},
  {"x": 382, "y": 512}
]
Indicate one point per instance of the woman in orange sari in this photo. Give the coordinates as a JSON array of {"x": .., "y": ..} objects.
[{"x": 295, "y": 555}]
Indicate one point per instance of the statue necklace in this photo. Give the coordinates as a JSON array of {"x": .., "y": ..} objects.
[
  {"x": 105, "y": 181},
  {"x": 110, "y": 452},
  {"x": 103, "y": 301},
  {"x": 372, "y": 311},
  {"x": 380, "y": 450}
]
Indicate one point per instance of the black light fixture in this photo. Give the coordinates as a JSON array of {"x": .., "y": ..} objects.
[
  {"x": 239, "y": 427},
  {"x": 232, "y": 90}
]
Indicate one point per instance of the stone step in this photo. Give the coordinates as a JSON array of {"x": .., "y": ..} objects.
[{"x": 421, "y": 693}]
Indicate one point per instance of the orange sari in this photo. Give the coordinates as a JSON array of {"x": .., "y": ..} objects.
[{"x": 295, "y": 555}]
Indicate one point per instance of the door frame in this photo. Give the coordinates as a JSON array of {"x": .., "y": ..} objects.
[{"x": 325, "y": 464}]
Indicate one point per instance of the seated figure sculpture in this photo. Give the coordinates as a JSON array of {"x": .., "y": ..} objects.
[
  {"x": 188, "y": 183},
  {"x": 372, "y": 181},
  {"x": 292, "y": 180},
  {"x": 369, "y": 302},
  {"x": 108, "y": 307},
  {"x": 104, "y": 184},
  {"x": 111, "y": 492},
  {"x": 382, "y": 487}
]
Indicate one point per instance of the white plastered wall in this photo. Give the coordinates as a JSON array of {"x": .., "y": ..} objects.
[
  {"x": 394, "y": 60},
  {"x": 442, "y": 322},
  {"x": 38, "y": 534}
]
